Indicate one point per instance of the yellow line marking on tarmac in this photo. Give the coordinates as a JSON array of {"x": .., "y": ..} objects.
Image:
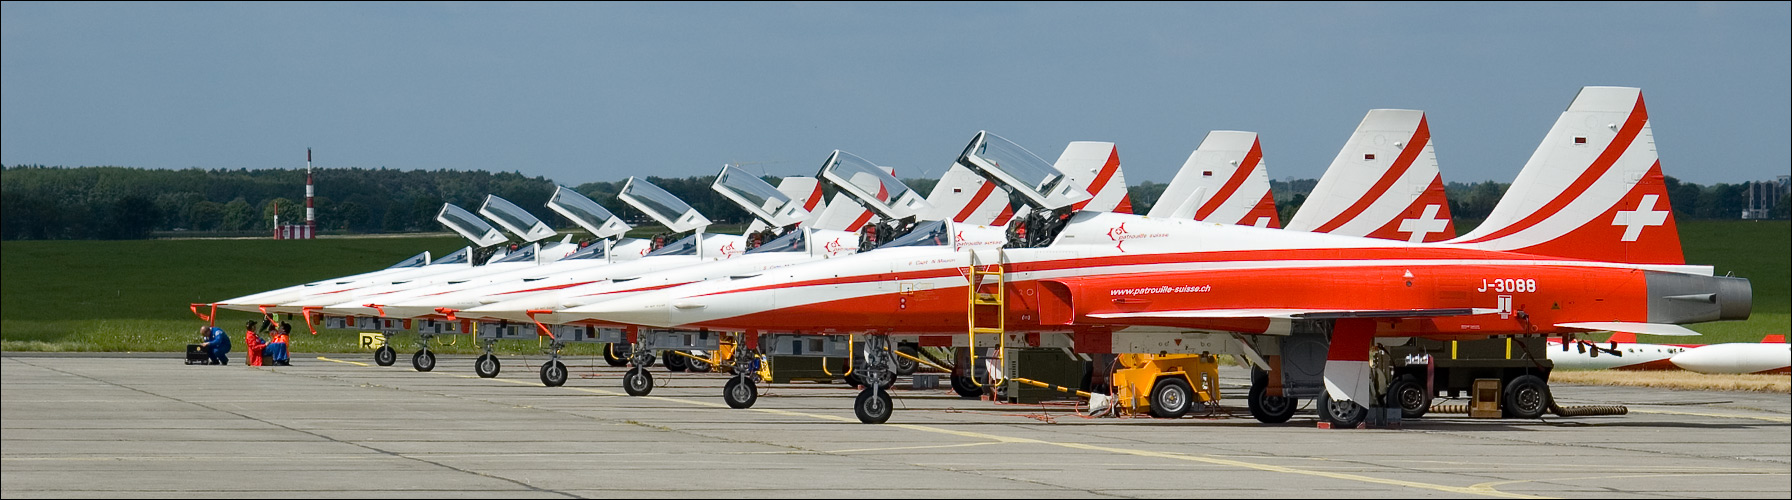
[
  {"x": 1489, "y": 486},
  {"x": 1716, "y": 415},
  {"x": 341, "y": 361},
  {"x": 995, "y": 439},
  {"x": 960, "y": 445}
]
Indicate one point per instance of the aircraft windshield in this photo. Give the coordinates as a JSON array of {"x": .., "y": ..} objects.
[
  {"x": 793, "y": 241},
  {"x": 661, "y": 204},
  {"x": 932, "y": 233},
  {"x": 1008, "y": 157},
  {"x": 593, "y": 251},
  {"x": 418, "y": 260},
  {"x": 752, "y": 190},
  {"x": 459, "y": 257},
  {"x": 522, "y": 254},
  {"x": 508, "y": 213},
  {"x": 582, "y": 210},
  {"x": 686, "y": 246},
  {"x": 864, "y": 175}
]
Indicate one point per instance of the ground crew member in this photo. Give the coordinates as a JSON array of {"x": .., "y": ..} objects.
[
  {"x": 276, "y": 348},
  {"x": 217, "y": 344},
  {"x": 253, "y": 344}
]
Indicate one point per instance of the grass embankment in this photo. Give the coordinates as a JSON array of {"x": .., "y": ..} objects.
[
  {"x": 133, "y": 295},
  {"x": 1677, "y": 379}
]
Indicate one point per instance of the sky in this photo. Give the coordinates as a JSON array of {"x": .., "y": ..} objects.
[{"x": 582, "y": 92}]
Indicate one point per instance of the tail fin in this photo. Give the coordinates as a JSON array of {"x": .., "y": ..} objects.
[
  {"x": 1593, "y": 190},
  {"x": 964, "y": 196},
  {"x": 1095, "y": 167},
  {"x": 1224, "y": 181},
  {"x": 1773, "y": 339},
  {"x": 1384, "y": 184}
]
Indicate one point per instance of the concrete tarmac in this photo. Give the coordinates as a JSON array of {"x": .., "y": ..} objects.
[{"x": 93, "y": 426}]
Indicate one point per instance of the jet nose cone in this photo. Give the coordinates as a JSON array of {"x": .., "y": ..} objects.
[{"x": 648, "y": 311}]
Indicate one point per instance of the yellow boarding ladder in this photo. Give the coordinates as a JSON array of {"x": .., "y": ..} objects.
[{"x": 985, "y": 304}]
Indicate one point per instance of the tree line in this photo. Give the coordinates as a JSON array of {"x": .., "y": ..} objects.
[{"x": 38, "y": 202}]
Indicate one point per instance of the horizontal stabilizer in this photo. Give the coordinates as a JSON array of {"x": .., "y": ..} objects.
[{"x": 1624, "y": 327}]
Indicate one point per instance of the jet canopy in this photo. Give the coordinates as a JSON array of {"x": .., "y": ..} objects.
[
  {"x": 469, "y": 226},
  {"x": 1021, "y": 171},
  {"x": 758, "y": 197},
  {"x": 668, "y": 210},
  {"x": 871, "y": 186},
  {"x": 515, "y": 219},
  {"x": 794, "y": 241},
  {"x": 586, "y": 213}
]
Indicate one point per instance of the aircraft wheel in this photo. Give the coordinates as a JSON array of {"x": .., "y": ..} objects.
[
  {"x": 611, "y": 357},
  {"x": 1526, "y": 397},
  {"x": 740, "y": 392},
  {"x": 905, "y": 366},
  {"x": 697, "y": 365},
  {"x": 966, "y": 389},
  {"x": 487, "y": 366},
  {"x": 637, "y": 382},
  {"x": 1171, "y": 398},
  {"x": 1270, "y": 409},
  {"x": 385, "y": 356},
  {"x": 676, "y": 363},
  {"x": 872, "y": 406},
  {"x": 423, "y": 360},
  {"x": 1410, "y": 392},
  {"x": 1341, "y": 414},
  {"x": 553, "y": 374}
]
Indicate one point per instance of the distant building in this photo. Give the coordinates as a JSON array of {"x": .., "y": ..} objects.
[{"x": 1764, "y": 195}]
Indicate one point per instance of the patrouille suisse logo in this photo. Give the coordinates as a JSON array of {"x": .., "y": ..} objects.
[{"x": 1118, "y": 234}]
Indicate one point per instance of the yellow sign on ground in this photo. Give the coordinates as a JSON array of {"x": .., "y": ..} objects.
[{"x": 372, "y": 340}]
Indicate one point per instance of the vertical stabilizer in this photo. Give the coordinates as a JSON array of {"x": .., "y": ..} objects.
[
  {"x": 1095, "y": 167},
  {"x": 1593, "y": 189},
  {"x": 964, "y": 196},
  {"x": 1384, "y": 184},
  {"x": 1224, "y": 181}
]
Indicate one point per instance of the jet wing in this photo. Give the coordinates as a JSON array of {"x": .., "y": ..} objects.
[{"x": 1642, "y": 328}]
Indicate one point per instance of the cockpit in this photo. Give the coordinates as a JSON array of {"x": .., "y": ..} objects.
[
  {"x": 931, "y": 233},
  {"x": 686, "y": 246},
  {"x": 793, "y": 241}
]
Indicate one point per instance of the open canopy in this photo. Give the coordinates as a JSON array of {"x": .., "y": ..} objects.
[
  {"x": 586, "y": 213},
  {"x": 668, "y": 210},
  {"x": 1021, "y": 171},
  {"x": 758, "y": 197},
  {"x": 469, "y": 226},
  {"x": 515, "y": 219},
  {"x": 871, "y": 186}
]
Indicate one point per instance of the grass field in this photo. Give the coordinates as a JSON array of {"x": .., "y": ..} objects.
[{"x": 133, "y": 295}]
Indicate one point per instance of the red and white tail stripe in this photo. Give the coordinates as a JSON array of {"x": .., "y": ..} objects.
[
  {"x": 1593, "y": 190},
  {"x": 1224, "y": 181},
  {"x": 1384, "y": 184},
  {"x": 963, "y": 196},
  {"x": 844, "y": 214},
  {"x": 1095, "y": 167}
]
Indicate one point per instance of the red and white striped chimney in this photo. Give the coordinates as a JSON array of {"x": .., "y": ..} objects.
[{"x": 310, "y": 210}]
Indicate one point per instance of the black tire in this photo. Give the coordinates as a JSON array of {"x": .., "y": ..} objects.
[
  {"x": 487, "y": 366},
  {"x": 1171, "y": 398},
  {"x": 385, "y": 356},
  {"x": 611, "y": 356},
  {"x": 1270, "y": 409},
  {"x": 1526, "y": 397},
  {"x": 905, "y": 366},
  {"x": 637, "y": 382},
  {"x": 966, "y": 389},
  {"x": 1341, "y": 414},
  {"x": 740, "y": 392},
  {"x": 676, "y": 362},
  {"x": 873, "y": 406},
  {"x": 697, "y": 365},
  {"x": 1410, "y": 392},
  {"x": 423, "y": 360},
  {"x": 553, "y": 374}
]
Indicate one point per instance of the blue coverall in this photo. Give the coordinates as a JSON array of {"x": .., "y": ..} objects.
[{"x": 218, "y": 344}]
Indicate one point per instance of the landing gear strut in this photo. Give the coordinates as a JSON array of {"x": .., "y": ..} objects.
[
  {"x": 873, "y": 406},
  {"x": 1268, "y": 409},
  {"x": 553, "y": 372},
  {"x": 741, "y": 391},
  {"x": 385, "y": 356},
  {"x": 487, "y": 365},
  {"x": 424, "y": 360},
  {"x": 637, "y": 382}
]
